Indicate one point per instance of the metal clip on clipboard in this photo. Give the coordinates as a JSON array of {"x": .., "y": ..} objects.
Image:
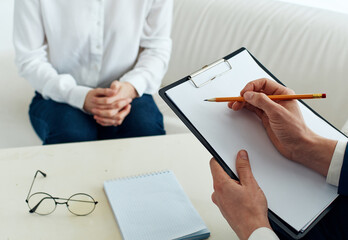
[{"x": 208, "y": 72}]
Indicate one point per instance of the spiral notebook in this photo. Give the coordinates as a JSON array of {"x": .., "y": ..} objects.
[{"x": 154, "y": 206}]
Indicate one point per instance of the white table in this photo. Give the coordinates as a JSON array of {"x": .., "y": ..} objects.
[{"x": 83, "y": 167}]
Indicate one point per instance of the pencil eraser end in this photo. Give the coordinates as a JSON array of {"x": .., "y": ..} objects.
[{"x": 324, "y": 95}]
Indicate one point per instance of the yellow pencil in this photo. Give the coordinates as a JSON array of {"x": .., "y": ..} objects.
[{"x": 273, "y": 97}]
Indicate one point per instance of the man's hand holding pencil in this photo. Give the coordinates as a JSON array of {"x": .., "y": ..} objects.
[
  {"x": 287, "y": 130},
  {"x": 284, "y": 124}
]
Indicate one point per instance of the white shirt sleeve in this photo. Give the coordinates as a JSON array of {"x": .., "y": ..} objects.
[
  {"x": 333, "y": 175},
  {"x": 32, "y": 57},
  {"x": 263, "y": 233},
  {"x": 152, "y": 64}
]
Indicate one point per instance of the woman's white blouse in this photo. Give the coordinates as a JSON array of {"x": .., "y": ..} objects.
[{"x": 65, "y": 48}]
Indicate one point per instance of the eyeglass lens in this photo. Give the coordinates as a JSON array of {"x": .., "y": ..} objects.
[
  {"x": 42, "y": 203},
  {"x": 81, "y": 204}
]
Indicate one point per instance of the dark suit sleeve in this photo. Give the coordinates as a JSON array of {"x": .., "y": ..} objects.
[{"x": 343, "y": 184}]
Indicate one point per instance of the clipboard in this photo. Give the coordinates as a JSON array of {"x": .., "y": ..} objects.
[{"x": 211, "y": 123}]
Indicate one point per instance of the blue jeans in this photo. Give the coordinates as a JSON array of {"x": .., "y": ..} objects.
[{"x": 61, "y": 123}]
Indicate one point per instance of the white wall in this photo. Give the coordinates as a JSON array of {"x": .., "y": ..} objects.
[
  {"x": 333, "y": 5},
  {"x": 6, "y": 24}
]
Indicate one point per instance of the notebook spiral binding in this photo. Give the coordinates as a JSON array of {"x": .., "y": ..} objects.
[{"x": 141, "y": 175}]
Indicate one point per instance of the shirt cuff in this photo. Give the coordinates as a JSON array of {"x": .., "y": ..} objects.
[
  {"x": 333, "y": 175},
  {"x": 137, "y": 81},
  {"x": 77, "y": 96},
  {"x": 263, "y": 233}
]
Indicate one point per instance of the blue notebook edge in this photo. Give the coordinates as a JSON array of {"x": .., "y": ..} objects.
[
  {"x": 202, "y": 234},
  {"x": 112, "y": 209}
]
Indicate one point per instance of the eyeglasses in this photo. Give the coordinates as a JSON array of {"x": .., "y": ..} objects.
[{"x": 80, "y": 204}]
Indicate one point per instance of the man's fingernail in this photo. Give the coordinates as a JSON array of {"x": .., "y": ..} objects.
[
  {"x": 243, "y": 154},
  {"x": 233, "y": 105},
  {"x": 248, "y": 95}
]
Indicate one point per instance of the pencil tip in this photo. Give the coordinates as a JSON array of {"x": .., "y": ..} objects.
[
  {"x": 324, "y": 95},
  {"x": 205, "y": 99}
]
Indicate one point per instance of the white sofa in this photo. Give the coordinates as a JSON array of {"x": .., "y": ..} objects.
[{"x": 305, "y": 47}]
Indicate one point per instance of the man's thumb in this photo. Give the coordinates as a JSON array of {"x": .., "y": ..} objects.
[
  {"x": 243, "y": 168},
  {"x": 260, "y": 100}
]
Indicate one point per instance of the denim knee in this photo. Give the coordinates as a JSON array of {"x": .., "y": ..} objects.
[{"x": 60, "y": 123}]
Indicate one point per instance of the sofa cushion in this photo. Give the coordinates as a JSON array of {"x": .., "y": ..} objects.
[
  {"x": 305, "y": 47},
  {"x": 16, "y": 94}
]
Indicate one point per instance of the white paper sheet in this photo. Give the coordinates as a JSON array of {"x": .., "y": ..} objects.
[{"x": 295, "y": 193}]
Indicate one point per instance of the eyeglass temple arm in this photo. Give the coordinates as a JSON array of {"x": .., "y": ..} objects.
[
  {"x": 37, "y": 205},
  {"x": 56, "y": 198},
  {"x": 75, "y": 200},
  {"x": 38, "y": 171}
]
